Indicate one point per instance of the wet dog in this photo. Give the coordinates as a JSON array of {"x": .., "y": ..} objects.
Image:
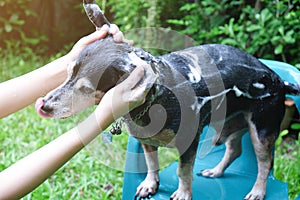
[{"x": 212, "y": 84}]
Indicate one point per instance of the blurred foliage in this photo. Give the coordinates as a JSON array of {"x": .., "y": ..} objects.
[
  {"x": 143, "y": 13},
  {"x": 41, "y": 26},
  {"x": 266, "y": 29},
  {"x": 271, "y": 31},
  {"x": 12, "y": 25}
]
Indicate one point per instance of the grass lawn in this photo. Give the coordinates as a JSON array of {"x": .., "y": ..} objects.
[
  {"x": 87, "y": 175},
  {"x": 83, "y": 177}
]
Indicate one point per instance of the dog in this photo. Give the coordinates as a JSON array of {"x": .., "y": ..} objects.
[
  {"x": 216, "y": 85},
  {"x": 208, "y": 84}
]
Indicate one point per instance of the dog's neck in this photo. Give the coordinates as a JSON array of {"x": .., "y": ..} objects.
[
  {"x": 157, "y": 64},
  {"x": 149, "y": 58}
]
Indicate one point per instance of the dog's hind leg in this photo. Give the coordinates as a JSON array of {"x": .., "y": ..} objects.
[
  {"x": 263, "y": 141},
  {"x": 233, "y": 151},
  {"x": 233, "y": 130},
  {"x": 150, "y": 185}
]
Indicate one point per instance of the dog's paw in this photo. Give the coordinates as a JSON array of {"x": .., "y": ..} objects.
[
  {"x": 212, "y": 173},
  {"x": 255, "y": 194},
  {"x": 146, "y": 188},
  {"x": 181, "y": 194}
]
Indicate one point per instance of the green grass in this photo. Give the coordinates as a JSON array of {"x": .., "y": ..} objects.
[
  {"x": 83, "y": 177},
  {"x": 96, "y": 171},
  {"x": 287, "y": 165}
]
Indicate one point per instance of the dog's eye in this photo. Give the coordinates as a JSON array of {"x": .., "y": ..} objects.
[{"x": 86, "y": 90}]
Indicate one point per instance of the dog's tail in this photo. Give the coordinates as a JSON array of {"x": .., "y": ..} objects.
[{"x": 292, "y": 89}]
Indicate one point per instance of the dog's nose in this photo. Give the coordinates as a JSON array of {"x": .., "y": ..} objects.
[
  {"x": 41, "y": 109},
  {"x": 46, "y": 109}
]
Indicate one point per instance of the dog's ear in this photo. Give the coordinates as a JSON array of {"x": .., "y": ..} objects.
[
  {"x": 94, "y": 13},
  {"x": 120, "y": 69},
  {"x": 125, "y": 64},
  {"x": 109, "y": 79}
]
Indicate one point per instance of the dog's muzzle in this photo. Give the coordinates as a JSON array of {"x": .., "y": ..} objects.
[{"x": 39, "y": 107}]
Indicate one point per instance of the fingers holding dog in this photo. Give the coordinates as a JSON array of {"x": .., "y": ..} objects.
[
  {"x": 140, "y": 81},
  {"x": 118, "y": 35}
]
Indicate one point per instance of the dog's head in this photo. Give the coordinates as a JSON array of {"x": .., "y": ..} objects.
[{"x": 98, "y": 68}]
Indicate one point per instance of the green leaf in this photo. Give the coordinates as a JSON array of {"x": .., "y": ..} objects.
[
  {"x": 275, "y": 39},
  {"x": 278, "y": 49},
  {"x": 295, "y": 126},
  {"x": 229, "y": 41},
  {"x": 175, "y": 21},
  {"x": 188, "y": 7},
  {"x": 253, "y": 27},
  {"x": 8, "y": 28},
  {"x": 33, "y": 41},
  {"x": 231, "y": 27},
  {"x": 280, "y": 137},
  {"x": 288, "y": 38},
  {"x": 13, "y": 17},
  {"x": 281, "y": 30},
  {"x": 265, "y": 15}
]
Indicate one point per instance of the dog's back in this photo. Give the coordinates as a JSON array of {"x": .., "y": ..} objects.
[{"x": 195, "y": 76}]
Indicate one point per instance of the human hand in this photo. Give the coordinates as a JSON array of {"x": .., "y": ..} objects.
[
  {"x": 128, "y": 95},
  {"x": 97, "y": 35},
  {"x": 118, "y": 35}
]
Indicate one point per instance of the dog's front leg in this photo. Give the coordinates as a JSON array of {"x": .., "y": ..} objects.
[
  {"x": 150, "y": 185},
  {"x": 185, "y": 173}
]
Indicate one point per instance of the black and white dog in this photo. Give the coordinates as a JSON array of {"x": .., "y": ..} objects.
[{"x": 209, "y": 84}]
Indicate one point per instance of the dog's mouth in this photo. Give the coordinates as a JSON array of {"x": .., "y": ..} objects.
[
  {"x": 39, "y": 109},
  {"x": 45, "y": 110}
]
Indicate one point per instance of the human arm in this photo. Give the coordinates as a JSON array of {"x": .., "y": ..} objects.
[
  {"x": 25, "y": 175},
  {"x": 20, "y": 92}
]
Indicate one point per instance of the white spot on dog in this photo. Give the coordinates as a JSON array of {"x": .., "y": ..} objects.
[
  {"x": 239, "y": 93},
  {"x": 194, "y": 67},
  {"x": 195, "y": 76},
  {"x": 201, "y": 101},
  {"x": 259, "y": 85}
]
